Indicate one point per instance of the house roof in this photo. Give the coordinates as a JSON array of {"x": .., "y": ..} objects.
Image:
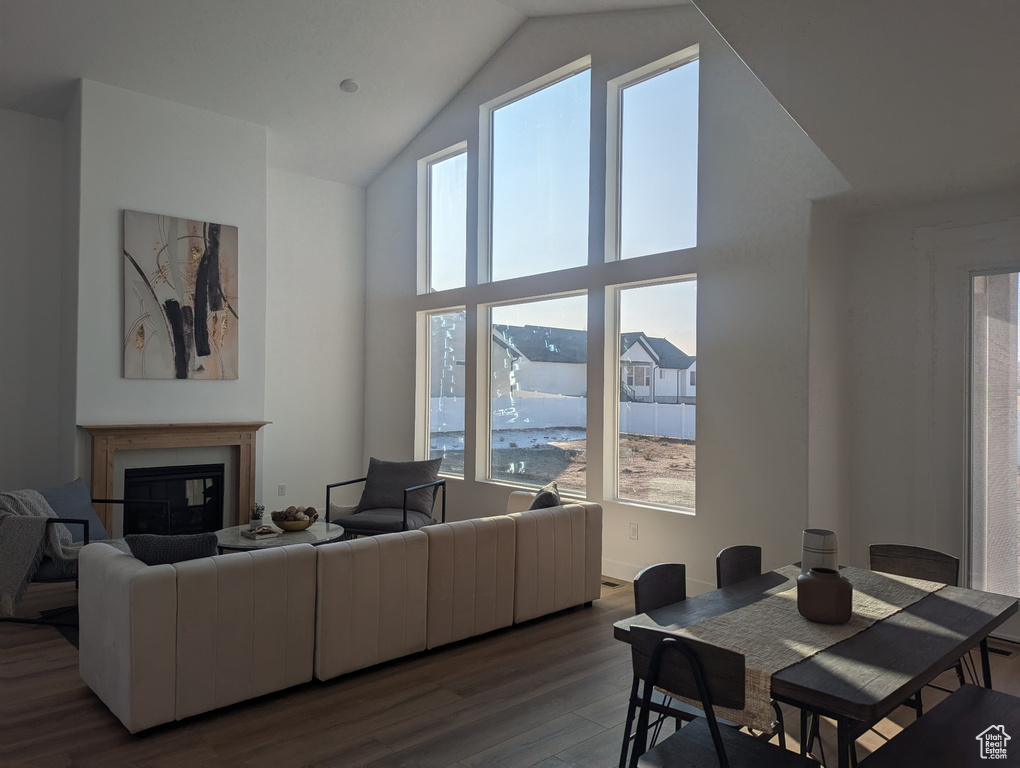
[
  {"x": 546, "y": 345},
  {"x": 542, "y": 344},
  {"x": 669, "y": 355}
]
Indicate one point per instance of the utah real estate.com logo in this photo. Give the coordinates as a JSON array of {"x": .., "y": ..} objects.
[{"x": 993, "y": 742}]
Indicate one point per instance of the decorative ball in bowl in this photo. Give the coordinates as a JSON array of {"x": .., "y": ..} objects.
[{"x": 295, "y": 518}]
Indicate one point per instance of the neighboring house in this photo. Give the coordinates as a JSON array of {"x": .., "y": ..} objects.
[
  {"x": 548, "y": 360},
  {"x": 536, "y": 358},
  {"x": 652, "y": 369}
]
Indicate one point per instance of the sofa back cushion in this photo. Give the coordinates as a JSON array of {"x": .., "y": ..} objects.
[
  {"x": 245, "y": 626},
  {"x": 370, "y": 601},
  {"x": 470, "y": 579},
  {"x": 559, "y": 558}
]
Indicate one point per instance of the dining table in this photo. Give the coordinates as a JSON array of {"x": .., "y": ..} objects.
[{"x": 858, "y": 680}]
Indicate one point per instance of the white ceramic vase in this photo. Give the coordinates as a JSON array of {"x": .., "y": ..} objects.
[{"x": 819, "y": 550}]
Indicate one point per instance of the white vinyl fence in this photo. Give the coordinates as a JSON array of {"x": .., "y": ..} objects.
[{"x": 656, "y": 419}]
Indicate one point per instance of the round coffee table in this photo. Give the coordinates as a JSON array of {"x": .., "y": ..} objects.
[{"x": 317, "y": 533}]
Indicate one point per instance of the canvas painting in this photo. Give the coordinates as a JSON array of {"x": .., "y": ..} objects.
[{"x": 180, "y": 298}]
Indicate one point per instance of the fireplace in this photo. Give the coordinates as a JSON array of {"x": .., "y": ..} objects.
[
  {"x": 195, "y": 493},
  {"x": 108, "y": 440}
]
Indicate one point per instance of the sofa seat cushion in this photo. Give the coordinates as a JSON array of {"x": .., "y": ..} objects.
[{"x": 388, "y": 520}]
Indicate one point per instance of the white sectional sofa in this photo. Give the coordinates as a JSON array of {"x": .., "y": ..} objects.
[{"x": 161, "y": 643}]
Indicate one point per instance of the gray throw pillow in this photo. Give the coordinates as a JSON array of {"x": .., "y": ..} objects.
[
  {"x": 153, "y": 549},
  {"x": 547, "y": 496},
  {"x": 384, "y": 488},
  {"x": 73, "y": 500}
]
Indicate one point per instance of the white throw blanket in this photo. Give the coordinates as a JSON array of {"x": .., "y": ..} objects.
[{"x": 25, "y": 539}]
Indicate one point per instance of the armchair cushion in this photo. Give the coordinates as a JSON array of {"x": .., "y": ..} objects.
[
  {"x": 384, "y": 520},
  {"x": 153, "y": 549},
  {"x": 73, "y": 500},
  {"x": 386, "y": 481}
]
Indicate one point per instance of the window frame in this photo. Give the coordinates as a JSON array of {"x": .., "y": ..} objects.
[
  {"x": 424, "y": 214},
  {"x": 600, "y": 278},
  {"x": 423, "y": 388},
  {"x": 614, "y": 141},
  {"x": 611, "y": 398},
  {"x": 486, "y": 153},
  {"x": 483, "y": 468}
]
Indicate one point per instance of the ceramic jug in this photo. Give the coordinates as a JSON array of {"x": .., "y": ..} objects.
[{"x": 824, "y": 596}]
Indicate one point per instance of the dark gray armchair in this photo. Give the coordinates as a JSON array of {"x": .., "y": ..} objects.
[
  {"x": 398, "y": 496},
  {"x": 73, "y": 506}
]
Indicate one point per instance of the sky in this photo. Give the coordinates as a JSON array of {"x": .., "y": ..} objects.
[{"x": 540, "y": 180}]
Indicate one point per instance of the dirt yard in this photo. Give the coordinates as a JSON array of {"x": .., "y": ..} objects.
[{"x": 654, "y": 469}]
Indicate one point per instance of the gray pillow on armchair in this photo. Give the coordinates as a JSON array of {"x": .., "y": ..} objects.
[{"x": 386, "y": 481}]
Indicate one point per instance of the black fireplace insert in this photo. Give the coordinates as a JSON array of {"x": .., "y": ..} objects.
[{"x": 195, "y": 493}]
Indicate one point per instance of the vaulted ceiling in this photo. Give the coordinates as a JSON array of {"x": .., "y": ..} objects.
[{"x": 909, "y": 100}]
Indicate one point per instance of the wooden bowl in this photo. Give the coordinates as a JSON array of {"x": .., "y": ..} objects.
[
  {"x": 295, "y": 525},
  {"x": 292, "y": 525}
]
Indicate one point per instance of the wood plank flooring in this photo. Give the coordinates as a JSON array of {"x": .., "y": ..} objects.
[{"x": 549, "y": 693}]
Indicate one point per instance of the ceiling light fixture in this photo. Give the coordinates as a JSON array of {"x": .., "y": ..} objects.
[{"x": 348, "y": 86}]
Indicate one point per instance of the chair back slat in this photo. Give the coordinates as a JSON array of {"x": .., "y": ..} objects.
[
  {"x": 723, "y": 669},
  {"x": 659, "y": 585},
  {"x": 736, "y": 564},
  {"x": 916, "y": 563}
]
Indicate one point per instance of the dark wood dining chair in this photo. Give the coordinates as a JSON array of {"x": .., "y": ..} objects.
[
  {"x": 733, "y": 565},
  {"x": 660, "y": 585},
  {"x": 737, "y": 563},
  {"x": 712, "y": 675},
  {"x": 655, "y": 587},
  {"x": 947, "y": 734},
  {"x": 918, "y": 563}
]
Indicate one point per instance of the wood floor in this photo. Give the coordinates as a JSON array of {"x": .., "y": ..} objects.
[{"x": 549, "y": 693}]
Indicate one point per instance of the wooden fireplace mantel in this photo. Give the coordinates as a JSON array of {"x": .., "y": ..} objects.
[{"x": 107, "y": 439}]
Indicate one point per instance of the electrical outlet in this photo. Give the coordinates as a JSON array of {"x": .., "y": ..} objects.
[
  {"x": 281, "y": 490},
  {"x": 633, "y": 531}
]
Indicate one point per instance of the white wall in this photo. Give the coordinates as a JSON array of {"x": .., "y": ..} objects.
[
  {"x": 315, "y": 325},
  {"x": 30, "y": 312},
  {"x": 757, "y": 173},
  {"x": 908, "y": 367},
  {"x": 561, "y": 378},
  {"x": 149, "y": 154},
  {"x": 828, "y": 388}
]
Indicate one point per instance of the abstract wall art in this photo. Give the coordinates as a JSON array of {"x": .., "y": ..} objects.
[{"x": 180, "y": 298}]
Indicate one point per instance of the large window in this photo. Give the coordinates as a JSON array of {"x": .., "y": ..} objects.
[
  {"x": 542, "y": 286},
  {"x": 540, "y": 158},
  {"x": 656, "y": 157},
  {"x": 445, "y": 220},
  {"x": 446, "y": 390},
  {"x": 538, "y": 392},
  {"x": 995, "y": 474},
  {"x": 655, "y": 443}
]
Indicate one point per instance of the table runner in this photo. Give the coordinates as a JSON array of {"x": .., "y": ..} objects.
[{"x": 772, "y": 635}]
